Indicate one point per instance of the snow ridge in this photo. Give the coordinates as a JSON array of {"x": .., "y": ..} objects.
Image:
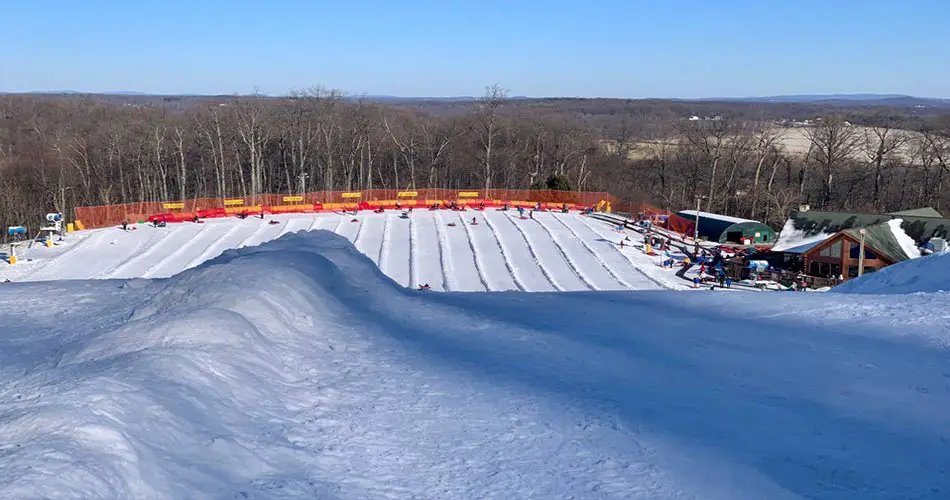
[
  {"x": 413, "y": 254},
  {"x": 254, "y": 239},
  {"x": 135, "y": 257},
  {"x": 171, "y": 259},
  {"x": 479, "y": 265},
  {"x": 215, "y": 248},
  {"x": 600, "y": 260},
  {"x": 505, "y": 253},
  {"x": 383, "y": 258},
  {"x": 570, "y": 262},
  {"x": 601, "y": 229},
  {"x": 95, "y": 239},
  {"x": 156, "y": 236},
  {"x": 359, "y": 231},
  {"x": 445, "y": 255},
  {"x": 316, "y": 224},
  {"x": 339, "y": 224},
  {"x": 530, "y": 244}
]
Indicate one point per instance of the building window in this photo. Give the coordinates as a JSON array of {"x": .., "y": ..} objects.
[
  {"x": 833, "y": 251},
  {"x": 836, "y": 250},
  {"x": 856, "y": 252},
  {"x": 824, "y": 269}
]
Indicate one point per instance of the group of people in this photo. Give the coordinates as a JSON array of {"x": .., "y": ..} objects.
[{"x": 244, "y": 215}]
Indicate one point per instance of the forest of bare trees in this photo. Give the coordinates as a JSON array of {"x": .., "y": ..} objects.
[{"x": 59, "y": 152}]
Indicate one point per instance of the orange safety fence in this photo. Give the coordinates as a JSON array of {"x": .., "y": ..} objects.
[
  {"x": 681, "y": 225},
  {"x": 332, "y": 201},
  {"x": 666, "y": 219}
]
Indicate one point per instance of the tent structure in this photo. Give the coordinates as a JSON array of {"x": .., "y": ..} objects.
[{"x": 725, "y": 229}]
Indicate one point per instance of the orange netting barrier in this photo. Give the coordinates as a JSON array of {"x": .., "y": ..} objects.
[
  {"x": 334, "y": 201},
  {"x": 668, "y": 220},
  {"x": 681, "y": 225}
]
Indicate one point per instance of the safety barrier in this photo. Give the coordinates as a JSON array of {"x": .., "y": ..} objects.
[
  {"x": 667, "y": 220},
  {"x": 334, "y": 201}
]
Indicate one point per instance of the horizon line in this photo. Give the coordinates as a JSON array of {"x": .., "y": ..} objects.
[{"x": 857, "y": 96}]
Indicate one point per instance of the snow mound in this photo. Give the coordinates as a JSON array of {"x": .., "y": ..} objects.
[
  {"x": 922, "y": 275},
  {"x": 296, "y": 369}
]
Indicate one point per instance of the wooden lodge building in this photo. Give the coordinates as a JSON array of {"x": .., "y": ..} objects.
[{"x": 827, "y": 244}]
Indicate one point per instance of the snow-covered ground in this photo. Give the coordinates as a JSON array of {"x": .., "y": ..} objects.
[
  {"x": 296, "y": 369},
  {"x": 925, "y": 275},
  {"x": 500, "y": 252}
]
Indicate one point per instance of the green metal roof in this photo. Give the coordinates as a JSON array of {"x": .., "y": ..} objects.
[
  {"x": 881, "y": 238},
  {"x": 714, "y": 227},
  {"x": 815, "y": 222},
  {"x": 920, "y": 212}
]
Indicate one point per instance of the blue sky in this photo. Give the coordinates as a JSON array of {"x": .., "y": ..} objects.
[{"x": 607, "y": 48}]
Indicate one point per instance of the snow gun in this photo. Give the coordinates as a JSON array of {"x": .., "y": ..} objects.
[{"x": 16, "y": 230}]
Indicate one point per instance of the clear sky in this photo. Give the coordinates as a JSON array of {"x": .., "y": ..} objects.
[{"x": 607, "y": 48}]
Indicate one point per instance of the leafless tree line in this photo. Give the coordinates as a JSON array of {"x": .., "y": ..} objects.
[
  {"x": 58, "y": 153},
  {"x": 742, "y": 169},
  {"x": 62, "y": 153}
]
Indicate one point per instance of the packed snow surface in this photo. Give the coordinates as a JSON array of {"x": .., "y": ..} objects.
[
  {"x": 500, "y": 252},
  {"x": 296, "y": 369},
  {"x": 924, "y": 275}
]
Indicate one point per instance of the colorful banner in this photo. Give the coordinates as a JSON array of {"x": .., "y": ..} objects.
[
  {"x": 352, "y": 195},
  {"x": 293, "y": 198},
  {"x": 468, "y": 194},
  {"x": 173, "y": 205},
  {"x": 407, "y": 194},
  {"x": 231, "y": 203}
]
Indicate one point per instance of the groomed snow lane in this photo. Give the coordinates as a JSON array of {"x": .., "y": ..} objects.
[{"x": 500, "y": 253}]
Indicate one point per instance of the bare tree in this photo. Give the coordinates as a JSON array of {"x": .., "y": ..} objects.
[
  {"x": 251, "y": 129},
  {"x": 767, "y": 138},
  {"x": 485, "y": 117},
  {"x": 879, "y": 143},
  {"x": 834, "y": 142},
  {"x": 709, "y": 138}
]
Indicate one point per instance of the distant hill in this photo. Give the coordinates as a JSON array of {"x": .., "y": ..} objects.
[
  {"x": 392, "y": 99},
  {"x": 850, "y": 100},
  {"x": 898, "y": 100}
]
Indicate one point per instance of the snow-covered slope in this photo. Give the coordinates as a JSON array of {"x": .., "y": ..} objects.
[
  {"x": 296, "y": 369},
  {"x": 499, "y": 253},
  {"x": 923, "y": 275}
]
